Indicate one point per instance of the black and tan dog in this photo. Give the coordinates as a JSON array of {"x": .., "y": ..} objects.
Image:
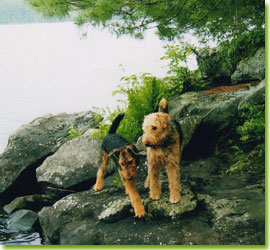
[{"x": 126, "y": 157}]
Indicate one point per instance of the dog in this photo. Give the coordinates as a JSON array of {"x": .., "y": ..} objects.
[
  {"x": 126, "y": 157},
  {"x": 162, "y": 139}
]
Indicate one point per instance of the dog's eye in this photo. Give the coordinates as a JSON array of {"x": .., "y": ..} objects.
[
  {"x": 154, "y": 128},
  {"x": 130, "y": 162}
]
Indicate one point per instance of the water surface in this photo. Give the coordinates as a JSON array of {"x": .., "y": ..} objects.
[{"x": 54, "y": 68}]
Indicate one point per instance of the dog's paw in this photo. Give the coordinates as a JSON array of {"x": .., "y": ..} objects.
[
  {"x": 140, "y": 213},
  {"x": 98, "y": 187},
  {"x": 175, "y": 199},
  {"x": 155, "y": 196}
]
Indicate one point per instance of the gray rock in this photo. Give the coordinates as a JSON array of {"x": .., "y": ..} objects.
[
  {"x": 212, "y": 67},
  {"x": 75, "y": 162},
  {"x": 32, "y": 143},
  {"x": 250, "y": 69},
  {"x": 205, "y": 118},
  {"x": 110, "y": 206},
  {"x": 235, "y": 216},
  {"x": 22, "y": 220},
  {"x": 255, "y": 97},
  {"x": 30, "y": 202},
  {"x": 164, "y": 209},
  {"x": 139, "y": 145},
  {"x": 217, "y": 211},
  {"x": 83, "y": 209},
  {"x": 230, "y": 212}
]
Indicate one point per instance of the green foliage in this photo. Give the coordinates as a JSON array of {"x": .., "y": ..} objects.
[
  {"x": 107, "y": 116},
  {"x": 218, "y": 19},
  {"x": 117, "y": 182},
  {"x": 142, "y": 94},
  {"x": 253, "y": 127},
  {"x": 242, "y": 47},
  {"x": 73, "y": 133},
  {"x": 179, "y": 78},
  {"x": 250, "y": 151}
]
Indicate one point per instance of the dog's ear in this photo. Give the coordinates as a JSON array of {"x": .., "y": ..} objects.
[
  {"x": 133, "y": 150},
  {"x": 115, "y": 153}
]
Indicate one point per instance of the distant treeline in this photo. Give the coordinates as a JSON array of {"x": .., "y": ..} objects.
[{"x": 18, "y": 11}]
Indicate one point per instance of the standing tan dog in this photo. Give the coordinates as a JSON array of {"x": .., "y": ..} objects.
[{"x": 162, "y": 139}]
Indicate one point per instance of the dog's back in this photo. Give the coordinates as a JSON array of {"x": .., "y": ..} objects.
[{"x": 112, "y": 140}]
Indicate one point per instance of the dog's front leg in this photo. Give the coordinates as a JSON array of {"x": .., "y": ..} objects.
[
  {"x": 173, "y": 171},
  {"x": 135, "y": 198},
  {"x": 101, "y": 172},
  {"x": 154, "y": 181}
]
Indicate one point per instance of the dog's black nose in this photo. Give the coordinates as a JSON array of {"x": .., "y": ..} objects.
[
  {"x": 147, "y": 144},
  {"x": 130, "y": 178}
]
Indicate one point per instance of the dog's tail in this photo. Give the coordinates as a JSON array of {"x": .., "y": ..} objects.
[
  {"x": 115, "y": 123},
  {"x": 163, "y": 106}
]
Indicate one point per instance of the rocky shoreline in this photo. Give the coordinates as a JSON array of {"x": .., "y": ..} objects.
[{"x": 47, "y": 180}]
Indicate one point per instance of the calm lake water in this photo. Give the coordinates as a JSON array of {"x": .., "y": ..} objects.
[{"x": 54, "y": 68}]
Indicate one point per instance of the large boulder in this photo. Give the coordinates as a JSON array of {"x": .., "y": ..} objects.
[
  {"x": 33, "y": 202},
  {"x": 22, "y": 220},
  {"x": 250, "y": 69},
  {"x": 32, "y": 143},
  {"x": 76, "y": 162},
  {"x": 239, "y": 217},
  {"x": 211, "y": 64},
  {"x": 205, "y": 118}
]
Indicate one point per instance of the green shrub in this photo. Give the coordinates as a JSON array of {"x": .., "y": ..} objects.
[
  {"x": 252, "y": 140},
  {"x": 252, "y": 129},
  {"x": 142, "y": 94},
  {"x": 241, "y": 47},
  {"x": 179, "y": 77}
]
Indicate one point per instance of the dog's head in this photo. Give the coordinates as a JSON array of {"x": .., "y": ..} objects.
[
  {"x": 128, "y": 160},
  {"x": 157, "y": 129}
]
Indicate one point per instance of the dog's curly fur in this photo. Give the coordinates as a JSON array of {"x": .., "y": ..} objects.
[{"x": 162, "y": 139}]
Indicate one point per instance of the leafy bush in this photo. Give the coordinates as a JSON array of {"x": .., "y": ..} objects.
[
  {"x": 241, "y": 47},
  {"x": 250, "y": 151},
  {"x": 180, "y": 78},
  {"x": 142, "y": 94},
  {"x": 252, "y": 130}
]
